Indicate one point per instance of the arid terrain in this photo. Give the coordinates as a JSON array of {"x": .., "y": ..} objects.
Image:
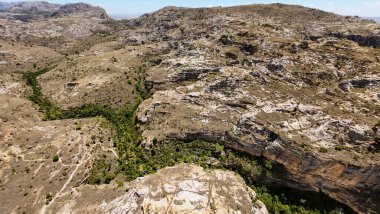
[{"x": 249, "y": 109}]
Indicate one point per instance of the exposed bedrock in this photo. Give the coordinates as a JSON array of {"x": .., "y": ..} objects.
[
  {"x": 192, "y": 74},
  {"x": 355, "y": 186}
]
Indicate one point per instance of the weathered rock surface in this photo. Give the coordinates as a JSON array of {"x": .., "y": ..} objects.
[{"x": 180, "y": 189}]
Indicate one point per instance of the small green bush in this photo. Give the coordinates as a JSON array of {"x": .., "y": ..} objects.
[
  {"x": 120, "y": 183},
  {"x": 342, "y": 148},
  {"x": 55, "y": 158},
  {"x": 49, "y": 198},
  {"x": 78, "y": 127},
  {"x": 109, "y": 177}
]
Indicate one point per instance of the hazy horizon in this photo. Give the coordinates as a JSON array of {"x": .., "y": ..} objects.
[{"x": 377, "y": 19}]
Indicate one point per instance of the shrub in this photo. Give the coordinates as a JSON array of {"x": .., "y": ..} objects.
[
  {"x": 155, "y": 141},
  {"x": 109, "y": 177},
  {"x": 268, "y": 26},
  {"x": 49, "y": 198},
  {"x": 55, "y": 158},
  {"x": 78, "y": 127},
  {"x": 94, "y": 181},
  {"x": 341, "y": 148}
]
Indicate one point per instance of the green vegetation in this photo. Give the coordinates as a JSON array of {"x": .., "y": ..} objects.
[
  {"x": 342, "y": 148},
  {"x": 55, "y": 158},
  {"x": 338, "y": 64},
  {"x": 206, "y": 154},
  {"x": 268, "y": 26},
  {"x": 136, "y": 160},
  {"x": 102, "y": 173},
  {"x": 44, "y": 104},
  {"x": 215, "y": 156},
  {"x": 120, "y": 183},
  {"x": 48, "y": 198}
]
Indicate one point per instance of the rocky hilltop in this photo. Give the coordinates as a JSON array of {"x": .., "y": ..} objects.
[
  {"x": 287, "y": 97},
  {"x": 27, "y": 11},
  {"x": 5, "y": 5}
]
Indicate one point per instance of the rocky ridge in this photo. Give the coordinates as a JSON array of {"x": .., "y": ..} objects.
[{"x": 28, "y": 11}]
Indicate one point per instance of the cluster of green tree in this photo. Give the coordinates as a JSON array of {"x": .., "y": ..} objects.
[
  {"x": 212, "y": 155},
  {"x": 281, "y": 199},
  {"x": 136, "y": 160},
  {"x": 49, "y": 110},
  {"x": 101, "y": 173}
]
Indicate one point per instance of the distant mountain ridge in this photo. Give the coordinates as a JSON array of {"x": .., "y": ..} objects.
[
  {"x": 26, "y": 11},
  {"x": 6, "y": 5},
  {"x": 377, "y": 19}
]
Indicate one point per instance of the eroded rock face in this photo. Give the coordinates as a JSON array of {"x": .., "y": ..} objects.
[{"x": 180, "y": 189}]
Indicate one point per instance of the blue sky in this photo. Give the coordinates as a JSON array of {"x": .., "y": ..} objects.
[{"x": 369, "y": 8}]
